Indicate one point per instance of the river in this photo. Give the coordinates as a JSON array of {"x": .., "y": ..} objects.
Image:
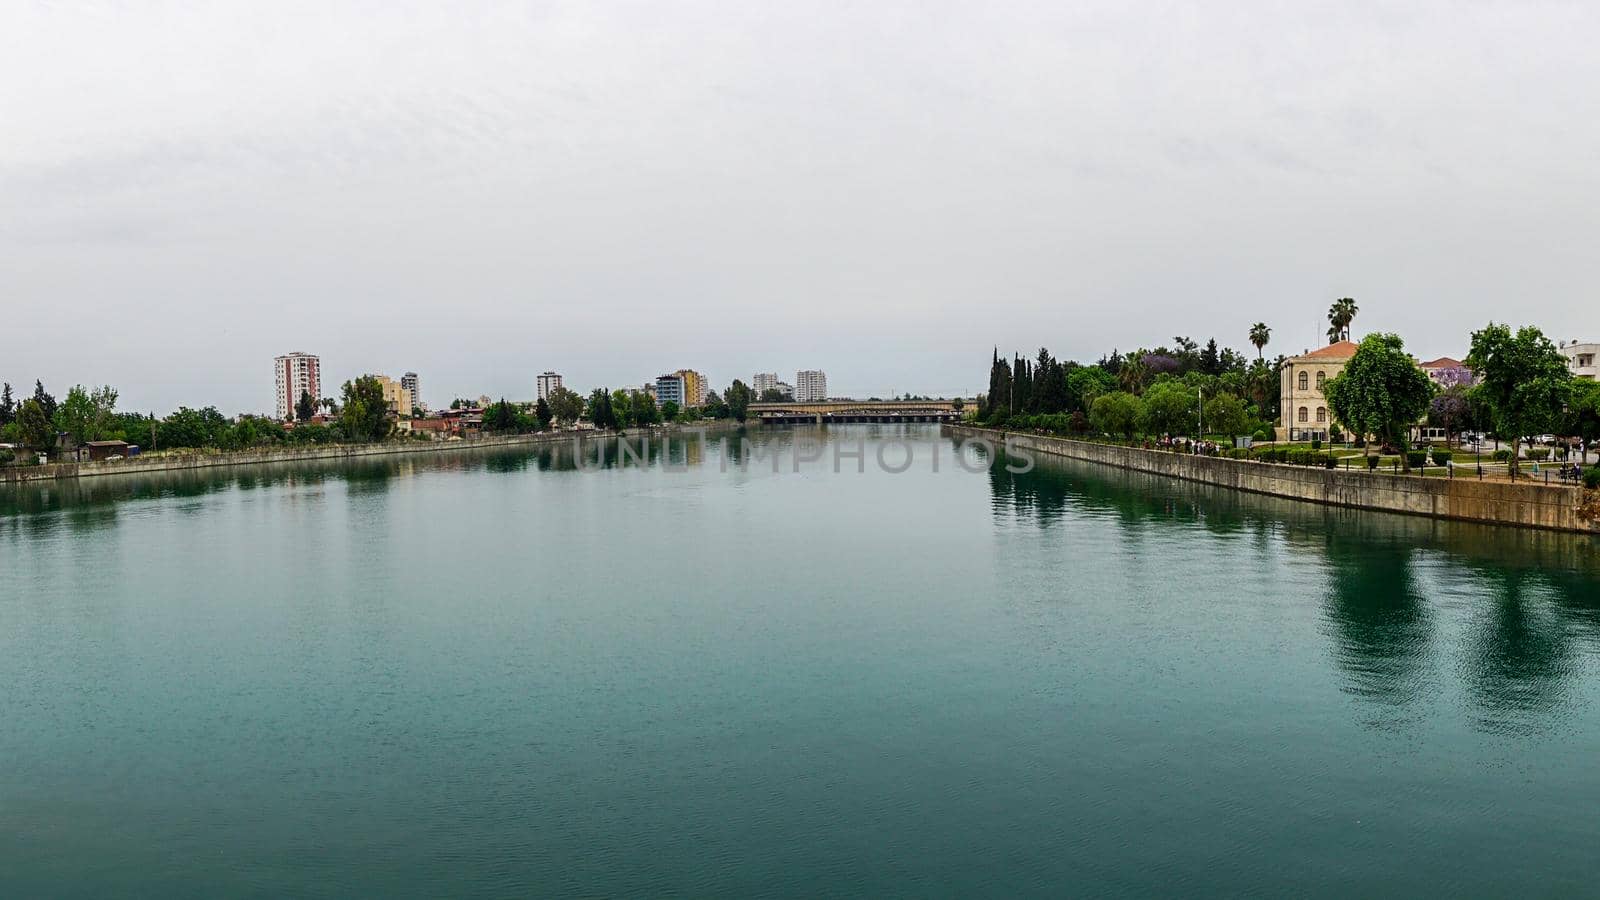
[{"x": 517, "y": 673}]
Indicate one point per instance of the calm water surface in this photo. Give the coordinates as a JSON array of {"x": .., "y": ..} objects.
[{"x": 494, "y": 674}]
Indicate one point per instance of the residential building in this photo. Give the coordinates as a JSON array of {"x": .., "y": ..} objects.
[
  {"x": 412, "y": 383},
  {"x": 296, "y": 373},
  {"x": 671, "y": 388},
  {"x": 1448, "y": 372},
  {"x": 762, "y": 382},
  {"x": 784, "y": 388},
  {"x": 810, "y": 385},
  {"x": 549, "y": 383},
  {"x": 396, "y": 398},
  {"x": 1300, "y": 381},
  {"x": 1581, "y": 359},
  {"x": 694, "y": 387}
]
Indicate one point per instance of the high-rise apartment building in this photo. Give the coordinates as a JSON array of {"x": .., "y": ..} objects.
[
  {"x": 296, "y": 374},
  {"x": 810, "y": 385},
  {"x": 412, "y": 383},
  {"x": 762, "y": 382},
  {"x": 669, "y": 389},
  {"x": 549, "y": 383},
  {"x": 694, "y": 387}
]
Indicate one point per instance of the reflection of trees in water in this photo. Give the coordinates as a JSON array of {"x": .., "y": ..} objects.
[
  {"x": 1521, "y": 657},
  {"x": 1534, "y": 597},
  {"x": 1379, "y": 622}
]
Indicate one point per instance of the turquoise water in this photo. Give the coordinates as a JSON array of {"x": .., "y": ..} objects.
[{"x": 493, "y": 674}]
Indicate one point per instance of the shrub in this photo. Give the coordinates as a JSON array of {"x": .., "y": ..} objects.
[
  {"x": 1372, "y": 462},
  {"x": 1316, "y": 443},
  {"x": 1262, "y": 435},
  {"x": 1591, "y": 478},
  {"x": 1329, "y": 462},
  {"x": 1239, "y": 453},
  {"x": 1538, "y": 453},
  {"x": 1502, "y": 455},
  {"x": 1441, "y": 457},
  {"x": 1416, "y": 459}
]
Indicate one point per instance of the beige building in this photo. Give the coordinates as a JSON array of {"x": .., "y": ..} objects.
[
  {"x": 1581, "y": 359},
  {"x": 1300, "y": 381},
  {"x": 396, "y": 396}
]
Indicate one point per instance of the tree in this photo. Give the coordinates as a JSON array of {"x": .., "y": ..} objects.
[
  {"x": 1169, "y": 408},
  {"x": 364, "y": 415},
  {"x": 1523, "y": 382},
  {"x": 621, "y": 408},
  {"x": 1340, "y": 315},
  {"x": 1211, "y": 358},
  {"x": 47, "y": 403},
  {"x": 566, "y": 405},
  {"x": 599, "y": 409},
  {"x": 738, "y": 400},
  {"x": 305, "y": 407},
  {"x": 773, "y": 395},
  {"x": 500, "y": 417},
  {"x": 1118, "y": 412},
  {"x": 88, "y": 416},
  {"x": 1449, "y": 410},
  {"x": 37, "y": 432},
  {"x": 1583, "y": 412},
  {"x": 1226, "y": 414},
  {"x": 1381, "y": 392},
  {"x": 669, "y": 410},
  {"x": 543, "y": 413},
  {"x": 1260, "y": 334},
  {"x": 193, "y": 428},
  {"x": 643, "y": 406},
  {"x": 8, "y": 406},
  {"x": 714, "y": 406}
]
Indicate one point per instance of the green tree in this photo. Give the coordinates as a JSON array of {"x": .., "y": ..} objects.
[
  {"x": 8, "y": 406},
  {"x": 1226, "y": 414},
  {"x": 1260, "y": 334},
  {"x": 1118, "y": 412},
  {"x": 566, "y": 406},
  {"x": 1169, "y": 408},
  {"x": 1523, "y": 382},
  {"x": 773, "y": 395},
  {"x": 305, "y": 407},
  {"x": 88, "y": 415},
  {"x": 670, "y": 411},
  {"x": 193, "y": 428},
  {"x": 46, "y": 401},
  {"x": 1583, "y": 412},
  {"x": 1381, "y": 392},
  {"x": 715, "y": 407},
  {"x": 621, "y": 408},
  {"x": 37, "y": 431},
  {"x": 500, "y": 417},
  {"x": 543, "y": 413},
  {"x": 363, "y": 415},
  {"x": 738, "y": 400},
  {"x": 642, "y": 405},
  {"x": 599, "y": 408}
]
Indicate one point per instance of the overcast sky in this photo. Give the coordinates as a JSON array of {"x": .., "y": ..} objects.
[{"x": 885, "y": 191}]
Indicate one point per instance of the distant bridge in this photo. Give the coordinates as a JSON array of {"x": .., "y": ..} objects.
[{"x": 844, "y": 411}]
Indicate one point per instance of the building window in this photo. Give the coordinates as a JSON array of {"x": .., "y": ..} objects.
[
  {"x": 1305, "y": 382},
  {"x": 1322, "y": 414},
  {"x": 1303, "y": 410},
  {"x": 1321, "y": 378}
]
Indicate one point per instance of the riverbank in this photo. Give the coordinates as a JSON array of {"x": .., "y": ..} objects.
[
  {"x": 1470, "y": 500},
  {"x": 203, "y": 459}
]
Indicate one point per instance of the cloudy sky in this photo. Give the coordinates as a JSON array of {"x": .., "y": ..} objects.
[{"x": 481, "y": 191}]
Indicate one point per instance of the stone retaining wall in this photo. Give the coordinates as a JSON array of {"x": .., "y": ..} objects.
[{"x": 1467, "y": 499}]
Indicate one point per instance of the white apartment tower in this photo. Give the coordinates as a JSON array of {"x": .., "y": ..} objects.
[
  {"x": 548, "y": 383},
  {"x": 810, "y": 385},
  {"x": 297, "y": 373},
  {"x": 762, "y": 382}
]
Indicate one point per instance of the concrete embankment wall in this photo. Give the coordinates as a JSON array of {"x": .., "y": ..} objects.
[
  {"x": 1466, "y": 499},
  {"x": 200, "y": 460}
]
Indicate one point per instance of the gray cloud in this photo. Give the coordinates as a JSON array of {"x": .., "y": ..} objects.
[{"x": 883, "y": 191}]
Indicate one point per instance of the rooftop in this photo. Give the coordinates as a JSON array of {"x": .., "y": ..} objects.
[{"x": 1340, "y": 350}]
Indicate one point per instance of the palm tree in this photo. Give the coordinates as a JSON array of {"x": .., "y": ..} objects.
[
  {"x": 1259, "y": 335},
  {"x": 1340, "y": 315}
]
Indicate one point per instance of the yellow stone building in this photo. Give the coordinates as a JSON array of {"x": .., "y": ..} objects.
[{"x": 1305, "y": 408}]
